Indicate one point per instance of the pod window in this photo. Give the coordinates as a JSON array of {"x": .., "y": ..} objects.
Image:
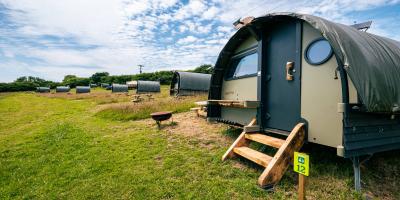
[
  {"x": 318, "y": 52},
  {"x": 243, "y": 66}
]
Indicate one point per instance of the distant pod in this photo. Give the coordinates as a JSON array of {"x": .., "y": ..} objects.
[
  {"x": 104, "y": 85},
  {"x": 82, "y": 89},
  {"x": 43, "y": 89},
  {"x": 188, "y": 83},
  {"x": 60, "y": 89},
  {"x": 148, "y": 86},
  {"x": 119, "y": 88}
]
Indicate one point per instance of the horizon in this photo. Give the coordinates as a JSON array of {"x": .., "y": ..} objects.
[{"x": 51, "y": 39}]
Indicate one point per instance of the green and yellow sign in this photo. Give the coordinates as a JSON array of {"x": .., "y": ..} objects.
[{"x": 301, "y": 163}]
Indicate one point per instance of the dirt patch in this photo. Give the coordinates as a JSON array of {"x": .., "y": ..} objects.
[{"x": 196, "y": 129}]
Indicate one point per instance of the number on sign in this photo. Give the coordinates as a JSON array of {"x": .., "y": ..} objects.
[
  {"x": 301, "y": 163},
  {"x": 301, "y": 169}
]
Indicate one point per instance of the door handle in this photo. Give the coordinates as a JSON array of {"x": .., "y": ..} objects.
[{"x": 289, "y": 68}]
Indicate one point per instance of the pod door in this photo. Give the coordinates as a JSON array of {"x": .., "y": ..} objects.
[{"x": 280, "y": 80}]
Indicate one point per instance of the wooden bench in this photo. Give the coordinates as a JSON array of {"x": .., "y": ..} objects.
[
  {"x": 235, "y": 103},
  {"x": 201, "y": 110}
]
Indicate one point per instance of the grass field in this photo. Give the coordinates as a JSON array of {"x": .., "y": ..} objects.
[{"x": 89, "y": 147}]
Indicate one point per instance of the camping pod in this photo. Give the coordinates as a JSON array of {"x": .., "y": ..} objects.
[
  {"x": 43, "y": 89},
  {"x": 104, "y": 85},
  {"x": 119, "y": 88},
  {"x": 188, "y": 83},
  {"x": 148, "y": 87},
  {"x": 286, "y": 69},
  {"x": 82, "y": 89},
  {"x": 131, "y": 84},
  {"x": 60, "y": 89}
]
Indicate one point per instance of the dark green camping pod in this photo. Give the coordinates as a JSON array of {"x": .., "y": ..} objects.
[
  {"x": 188, "y": 83},
  {"x": 82, "y": 89},
  {"x": 60, "y": 89},
  {"x": 104, "y": 85},
  {"x": 148, "y": 87},
  {"x": 43, "y": 89},
  {"x": 119, "y": 88},
  {"x": 286, "y": 68}
]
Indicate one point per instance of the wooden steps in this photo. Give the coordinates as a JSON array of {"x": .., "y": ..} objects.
[
  {"x": 265, "y": 139},
  {"x": 253, "y": 155},
  {"x": 275, "y": 166}
]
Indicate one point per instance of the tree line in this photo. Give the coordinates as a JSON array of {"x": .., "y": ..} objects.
[{"x": 29, "y": 83}]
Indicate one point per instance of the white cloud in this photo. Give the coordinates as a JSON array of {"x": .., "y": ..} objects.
[
  {"x": 183, "y": 28},
  {"x": 210, "y": 13},
  {"x": 204, "y": 28},
  {"x": 188, "y": 39},
  {"x": 117, "y": 35},
  {"x": 74, "y": 17},
  {"x": 193, "y": 8},
  {"x": 136, "y": 7}
]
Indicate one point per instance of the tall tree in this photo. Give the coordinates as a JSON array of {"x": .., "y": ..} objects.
[
  {"x": 97, "y": 77},
  {"x": 68, "y": 77},
  {"x": 205, "y": 69},
  {"x": 21, "y": 79}
]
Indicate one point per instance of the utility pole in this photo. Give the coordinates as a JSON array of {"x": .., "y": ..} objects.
[{"x": 140, "y": 68}]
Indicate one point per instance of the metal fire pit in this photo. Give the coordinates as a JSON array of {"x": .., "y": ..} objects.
[{"x": 161, "y": 116}]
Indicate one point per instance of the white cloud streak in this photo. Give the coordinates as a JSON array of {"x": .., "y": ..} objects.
[{"x": 118, "y": 35}]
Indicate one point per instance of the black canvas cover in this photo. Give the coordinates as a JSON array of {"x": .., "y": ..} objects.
[
  {"x": 372, "y": 62},
  {"x": 147, "y": 86},
  {"x": 194, "y": 81}
]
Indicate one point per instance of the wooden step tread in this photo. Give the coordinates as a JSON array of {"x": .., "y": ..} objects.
[
  {"x": 253, "y": 155},
  {"x": 265, "y": 139}
]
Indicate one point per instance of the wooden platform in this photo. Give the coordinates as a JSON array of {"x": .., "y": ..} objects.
[
  {"x": 201, "y": 110},
  {"x": 201, "y": 103},
  {"x": 275, "y": 166},
  {"x": 235, "y": 103}
]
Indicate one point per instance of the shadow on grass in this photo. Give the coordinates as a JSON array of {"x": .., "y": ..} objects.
[
  {"x": 232, "y": 132},
  {"x": 165, "y": 125},
  {"x": 130, "y": 111}
]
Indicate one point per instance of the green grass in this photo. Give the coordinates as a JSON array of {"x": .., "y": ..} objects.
[
  {"x": 58, "y": 148},
  {"x": 142, "y": 110},
  {"x": 129, "y": 111}
]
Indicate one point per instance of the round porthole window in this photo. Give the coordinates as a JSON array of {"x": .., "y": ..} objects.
[{"x": 318, "y": 52}]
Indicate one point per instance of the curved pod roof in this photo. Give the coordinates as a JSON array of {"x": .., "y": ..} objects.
[
  {"x": 190, "y": 81},
  {"x": 119, "y": 88},
  {"x": 372, "y": 62},
  {"x": 42, "y": 89},
  {"x": 82, "y": 89},
  {"x": 62, "y": 89},
  {"x": 147, "y": 86},
  {"x": 104, "y": 85}
]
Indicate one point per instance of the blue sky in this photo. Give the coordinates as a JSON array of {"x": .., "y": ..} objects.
[{"x": 50, "y": 39}]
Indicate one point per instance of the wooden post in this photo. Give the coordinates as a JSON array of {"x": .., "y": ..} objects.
[{"x": 302, "y": 187}]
